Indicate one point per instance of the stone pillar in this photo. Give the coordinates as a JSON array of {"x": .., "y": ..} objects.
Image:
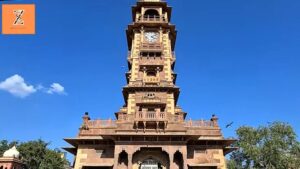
[
  {"x": 142, "y": 33},
  {"x": 157, "y": 113},
  {"x": 184, "y": 156},
  {"x": 86, "y": 119},
  {"x": 214, "y": 120},
  {"x": 116, "y": 156},
  {"x": 144, "y": 72},
  {"x": 130, "y": 160},
  {"x": 116, "y": 162},
  {"x": 157, "y": 72},
  {"x": 172, "y": 164},
  {"x": 160, "y": 34}
]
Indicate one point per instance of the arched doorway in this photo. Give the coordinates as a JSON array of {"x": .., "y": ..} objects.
[
  {"x": 123, "y": 160},
  {"x": 151, "y": 158},
  {"x": 178, "y": 160},
  {"x": 150, "y": 164}
]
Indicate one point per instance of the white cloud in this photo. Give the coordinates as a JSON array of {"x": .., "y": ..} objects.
[
  {"x": 16, "y": 86},
  {"x": 56, "y": 88}
]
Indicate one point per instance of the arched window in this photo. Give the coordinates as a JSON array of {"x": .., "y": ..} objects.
[
  {"x": 151, "y": 13},
  {"x": 151, "y": 73}
]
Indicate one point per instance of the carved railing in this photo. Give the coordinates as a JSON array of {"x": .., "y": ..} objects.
[
  {"x": 151, "y": 61},
  {"x": 101, "y": 123},
  {"x": 151, "y": 100},
  {"x": 151, "y": 79},
  {"x": 153, "y": 116},
  {"x": 148, "y": 116},
  {"x": 151, "y": 46},
  {"x": 151, "y": 18},
  {"x": 139, "y": 83},
  {"x": 199, "y": 123}
]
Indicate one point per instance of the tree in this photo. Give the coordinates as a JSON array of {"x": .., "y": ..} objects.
[
  {"x": 5, "y": 145},
  {"x": 272, "y": 147},
  {"x": 231, "y": 164},
  {"x": 33, "y": 153},
  {"x": 52, "y": 159},
  {"x": 36, "y": 155}
]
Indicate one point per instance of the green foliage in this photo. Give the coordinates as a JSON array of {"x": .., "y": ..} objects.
[
  {"x": 272, "y": 147},
  {"x": 5, "y": 145},
  {"x": 33, "y": 153},
  {"x": 36, "y": 155},
  {"x": 231, "y": 164},
  {"x": 52, "y": 159}
]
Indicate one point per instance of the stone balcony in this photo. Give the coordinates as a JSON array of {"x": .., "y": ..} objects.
[
  {"x": 102, "y": 123},
  {"x": 151, "y": 79},
  {"x": 125, "y": 122},
  {"x": 150, "y": 116},
  {"x": 152, "y": 19},
  {"x": 140, "y": 83},
  {"x": 151, "y": 47},
  {"x": 155, "y": 61},
  {"x": 151, "y": 100},
  {"x": 198, "y": 123}
]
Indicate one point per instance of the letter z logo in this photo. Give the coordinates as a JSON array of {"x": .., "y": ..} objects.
[
  {"x": 19, "y": 13},
  {"x": 18, "y": 19}
]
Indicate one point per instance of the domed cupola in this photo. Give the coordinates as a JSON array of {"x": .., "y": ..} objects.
[{"x": 12, "y": 153}]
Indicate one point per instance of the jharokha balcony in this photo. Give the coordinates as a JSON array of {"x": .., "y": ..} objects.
[
  {"x": 151, "y": 47},
  {"x": 157, "y": 61},
  {"x": 150, "y": 116},
  {"x": 152, "y": 18},
  {"x": 151, "y": 79}
]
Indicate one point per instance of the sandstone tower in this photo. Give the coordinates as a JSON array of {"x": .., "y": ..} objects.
[{"x": 150, "y": 130}]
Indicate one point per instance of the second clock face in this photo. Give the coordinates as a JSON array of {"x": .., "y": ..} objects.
[{"x": 151, "y": 37}]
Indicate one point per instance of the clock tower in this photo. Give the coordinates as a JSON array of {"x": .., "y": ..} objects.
[{"x": 150, "y": 131}]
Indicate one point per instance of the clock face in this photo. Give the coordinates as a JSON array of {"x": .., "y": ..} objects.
[{"x": 151, "y": 37}]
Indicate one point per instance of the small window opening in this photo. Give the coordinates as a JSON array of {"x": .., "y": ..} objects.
[
  {"x": 151, "y": 13},
  {"x": 151, "y": 73}
]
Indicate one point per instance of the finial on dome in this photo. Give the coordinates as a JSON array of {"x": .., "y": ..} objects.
[{"x": 12, "y": 153}]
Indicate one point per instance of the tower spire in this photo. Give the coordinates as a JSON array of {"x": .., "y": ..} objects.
[{"x": 150, "y": 124}]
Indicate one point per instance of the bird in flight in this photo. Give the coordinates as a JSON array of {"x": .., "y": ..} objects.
[{"x": 229, "y": 125}]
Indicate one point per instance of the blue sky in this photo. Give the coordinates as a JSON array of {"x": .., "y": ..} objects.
[{"x": 237, "y": 59}]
